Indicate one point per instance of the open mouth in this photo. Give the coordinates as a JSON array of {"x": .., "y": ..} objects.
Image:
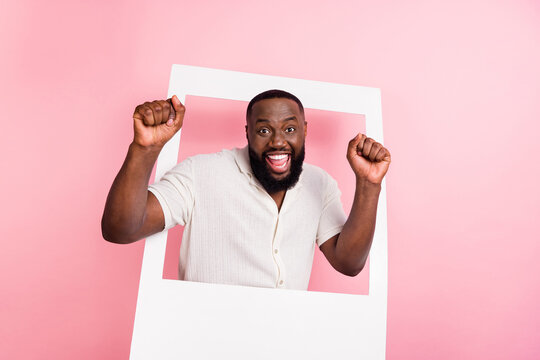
[{"x": 278, "y": 163}]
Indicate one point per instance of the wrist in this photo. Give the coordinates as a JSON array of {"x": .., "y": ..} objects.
[
  {"x": 366, "y": 186},
  {"x": 145, "y": 150}
]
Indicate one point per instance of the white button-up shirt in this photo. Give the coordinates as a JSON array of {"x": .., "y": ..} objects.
[{"x": 234, "y": 233}]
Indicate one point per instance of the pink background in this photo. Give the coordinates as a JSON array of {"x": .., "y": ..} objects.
[{"x": 460, "y": 88}]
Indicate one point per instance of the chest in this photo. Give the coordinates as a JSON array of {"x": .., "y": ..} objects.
[{"x": 240, "y": 205}]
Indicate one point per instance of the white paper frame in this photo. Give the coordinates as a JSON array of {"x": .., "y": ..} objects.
[{"x": 188, "y": 320}]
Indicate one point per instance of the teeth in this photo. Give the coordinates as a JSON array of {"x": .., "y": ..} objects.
[{"x": 278, "y": 157}]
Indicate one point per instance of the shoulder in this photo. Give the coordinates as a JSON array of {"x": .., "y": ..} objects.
[
  {"x": 318, "y": 181},
  {"x": 316, "y": 176},
  {"x": 205, "y": 167},
  {"x": 223, "y": 156}
]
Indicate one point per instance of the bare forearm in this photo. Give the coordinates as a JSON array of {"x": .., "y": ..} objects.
[
  {"x": 126, "y": 203},
  {"x": 354, "y": 242},
  {"x": 349, "y": 250}
]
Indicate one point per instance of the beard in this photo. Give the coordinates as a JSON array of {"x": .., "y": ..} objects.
[{"x": 264, "y": 175}]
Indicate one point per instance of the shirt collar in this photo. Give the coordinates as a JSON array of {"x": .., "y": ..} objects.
[{"x": 241, "y": 156}]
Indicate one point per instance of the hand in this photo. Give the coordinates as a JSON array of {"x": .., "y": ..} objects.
[
  {"x": 156, "y": 122},
  {"x": 368, "y": 159}
]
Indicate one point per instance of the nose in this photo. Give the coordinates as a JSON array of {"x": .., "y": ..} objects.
[{"x": 277, "y": 140}]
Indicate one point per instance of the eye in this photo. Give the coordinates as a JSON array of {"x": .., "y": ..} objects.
[
  {"x": 290, "y": 129},
  {"x": 263, "y": 131}
]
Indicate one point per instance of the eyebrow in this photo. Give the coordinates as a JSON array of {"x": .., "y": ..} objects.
[
  {"x": 267, "y": 121},
  {"x": 290, "y": 118}
]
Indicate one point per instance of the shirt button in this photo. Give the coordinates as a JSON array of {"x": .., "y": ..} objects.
[
  {"x": 281, "y": 282},
  {"x": 275, "y": 251}
]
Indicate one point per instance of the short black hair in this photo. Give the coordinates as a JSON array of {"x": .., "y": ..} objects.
[{"x": 273, "y": 94}]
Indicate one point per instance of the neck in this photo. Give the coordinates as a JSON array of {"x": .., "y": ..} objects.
[{"x": 278, "y": 198}]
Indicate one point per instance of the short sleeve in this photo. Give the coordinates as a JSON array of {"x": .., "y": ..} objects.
[
  {"x": 332, "y": 217},
  {"x": 174, "y": 191}
]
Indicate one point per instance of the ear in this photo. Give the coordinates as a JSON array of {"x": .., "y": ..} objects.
[
  {"x": 246, "y": 133},
  {"x": 305, "y": 128}
]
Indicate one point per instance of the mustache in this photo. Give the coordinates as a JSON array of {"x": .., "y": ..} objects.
[{"x": 291, "y": 151}]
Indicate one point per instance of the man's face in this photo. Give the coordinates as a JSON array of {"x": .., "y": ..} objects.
[{"x": 276, "y": 132}]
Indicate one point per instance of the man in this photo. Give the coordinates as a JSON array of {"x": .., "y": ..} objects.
[{"x": 252, "y": 216}]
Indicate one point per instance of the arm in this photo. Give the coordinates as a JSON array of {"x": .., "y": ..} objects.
[
  {"x": 131, "y": 211},
  {"x": 347, "y": 252}
]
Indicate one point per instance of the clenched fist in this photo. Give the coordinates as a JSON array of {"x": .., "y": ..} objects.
[
  {"x": 368, "y": 159},
  {"x": 156, "y": 122}
]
